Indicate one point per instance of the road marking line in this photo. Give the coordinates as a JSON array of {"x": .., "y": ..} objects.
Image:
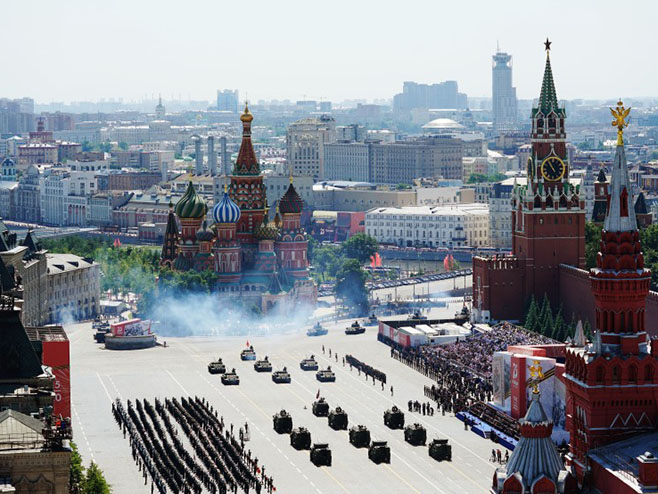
[
  {"x": 179, "y": 384},
  {"x": 326, "y": 470},
  {"x": 388, "y": 467},
  {"x": 104, "y": 388}
]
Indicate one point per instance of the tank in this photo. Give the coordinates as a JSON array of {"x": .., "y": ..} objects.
[
  {"x": 338, "y": 419},
  {"x": 320, "y": 408},
  {"x": 101, "y": 328},
  {"x": 309, "y": 364},
  {"x": 326, "y": 375},
  {"x": 217, "y": 367},
  {"x": 230, "y": 378},
  {"x": 394, "y": 418},
  {"x": 415, "y": 434},
  {"x": 281, "y": 377},
  {"x": 360, "y": 436},
  {"x": 282, "y": 422},
  {"x": 372, "y": 320},
  {"x": 379, "y": 452},
  {"x": 317, "y": 330},
  {"x": 263, "y": 365},
  {"x": 300, "y": 438},
  {"x": 440, "y": 450},
  {"x": 321, "y": 455},
  {"x": 355, "y": 328},
  {"x": 248, "y": 354}
]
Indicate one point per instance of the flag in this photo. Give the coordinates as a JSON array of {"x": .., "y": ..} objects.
[
  {"x": 247, "y": 343},
  {"x": 317, "y": 395}
]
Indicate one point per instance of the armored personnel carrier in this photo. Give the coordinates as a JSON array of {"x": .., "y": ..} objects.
[
  {"x": 217, "y": 367},
  {"x": 230, "y": 378},
  {"x": 317, "y": 330},
  {"x": 372, "y": 320},
  {"x": 320, "y": 408},
  {"x": 281, "y": 377},
  {"x": 321, "y": 455},
  {"x": 282, "y": 422},
  {"x": 263, "y": 365},
  {"x": 248, "y": 354},
  {"x": 355, "y": 328},
  {"x": 440, "y": 450},
  {"x": 394, "y": 418},
  {"x": 300, "y": 438},
  {"x": 101, "y": 328},
  {"x": 326, "y": 375},
  {"x": 338, "y": 419},
  {"x": 360, "y": 436},
  {"x": 379, "y": 452},
  {"x": 309, "y": 364},
  {"x": 415, "y": 434}
]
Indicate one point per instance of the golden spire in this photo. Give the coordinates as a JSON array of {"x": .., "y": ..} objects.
[
  {"x": 290, "y": 177},
  {"x": 537, "y": 375},
  {"x": 620, "y": 114},
  {"x": 246, "y": 115}
]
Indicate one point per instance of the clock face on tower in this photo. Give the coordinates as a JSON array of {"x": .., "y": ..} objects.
[{"x": 553, "y": 168}]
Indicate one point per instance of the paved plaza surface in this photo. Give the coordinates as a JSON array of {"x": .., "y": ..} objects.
[{"x": 99, "y": 376}]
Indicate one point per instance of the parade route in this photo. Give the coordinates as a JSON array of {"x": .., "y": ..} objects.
[{"x": 180, "y": 370}]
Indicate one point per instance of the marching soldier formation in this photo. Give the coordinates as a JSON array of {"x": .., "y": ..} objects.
[{"x": 220, "y": 464}]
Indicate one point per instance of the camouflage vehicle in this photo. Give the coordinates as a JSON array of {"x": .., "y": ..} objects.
[
  {"x": 394, "y": 418},
  {"x": 326, "y": 376},
  {"x": 281, "y": 377},
  {"x": 248, "y": 354},
  {"x": 360, "y": 436},
  {"x": 338, "y": 419},
  {"x": 321, "y": 455},
  {"x": 415, "y": 434},
  {"x": 320, "y": 408},
  {"x": 300, "y": 438},
  {"x": 440, "y": 450},
  {"x": 230, "y": 378},
  {"x": 355, "y": 328},
  {"x": 217, "y": 367},
  {"x": 309, "y": 364},
  {"x": 317, "y": 330},
  {"x": 379, "y": 452},
  {"x": 282, "y": 422},
  {"x": 263, "y": 365}
]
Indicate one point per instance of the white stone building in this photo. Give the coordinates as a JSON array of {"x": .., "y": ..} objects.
[
  {"x": 305, "y": 142},
  {"x": 456, "y": 225},
  {"x": 73, "y": 288}
]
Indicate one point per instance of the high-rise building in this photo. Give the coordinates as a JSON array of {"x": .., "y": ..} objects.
[
  {"x": 503, "y": 93},
  {"x": 227, "y": 100},
  {"x": 160, "y": 110},
  {"x": 442, "y": 95},
  {"x": 305, "y": 142}
]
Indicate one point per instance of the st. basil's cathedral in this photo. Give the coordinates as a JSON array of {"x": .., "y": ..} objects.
[{"x": 262, "y": 262}]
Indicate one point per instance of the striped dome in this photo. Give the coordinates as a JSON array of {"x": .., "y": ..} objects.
[
  {"x": 191, "y": 205},
  {"x": 226, "y": 211}
]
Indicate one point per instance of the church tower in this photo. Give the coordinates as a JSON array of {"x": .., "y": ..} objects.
[
  {"x": 292, "y": 244},
  {"x": 612, "y": 390},
  {"x": 548, "y": 220},
  {"x": 190, "y": 209},
  {"x": 228, "y": 261}
]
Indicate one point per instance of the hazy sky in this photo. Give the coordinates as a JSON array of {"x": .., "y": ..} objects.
[{"x": 333, "y": 49}]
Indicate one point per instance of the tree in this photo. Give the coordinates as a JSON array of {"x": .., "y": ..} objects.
[
  {"x": 76, "y": 472},
  {"x": 545, "y": 326},
  {"x": 123, "y": 145},
  {"x": 324, "y": 258},
  {"x": 360, "y": 247},
  {"x": 592, "y": 243},
  {"x": 95, "y": 482},
  {"x": 351, "y": 286},
  {"x": 532, "y": 316},
  {"x": 559, "y": 328}
]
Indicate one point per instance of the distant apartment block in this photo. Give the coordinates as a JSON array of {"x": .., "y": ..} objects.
[
  {"x": 305, "y": 142},
  {"x": 442, "y": 95},
  {"x": 227, "y": 100},
  {"x": 503, "y": 93}
]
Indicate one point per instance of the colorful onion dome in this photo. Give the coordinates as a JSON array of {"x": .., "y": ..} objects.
[
  {"x": 191, "y": 205},
  {"x": 203, "y": 234},
  {"x": 226, "y": 211},
  {"x": 291, "y": 202},
  {"x": 266, "y": 231}
]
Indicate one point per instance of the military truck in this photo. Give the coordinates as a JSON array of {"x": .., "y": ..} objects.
[
  {"x": 217, "y": 367},
  {"x": 355, "y": 328},
  {"x": 248, "y": 354},
  {"x": 360, "y": 436},
  {"x": 263, "y": 365},
  {"x": 338, "y": 419},
  {"x": 415, "y": 434},
  {"x": 320, "y": 408},
  {"x": 281, "y": 376},
  {"x": 394, "y": 418},
  {"x": 326, "y": 375},
  {"x": 321, "y": 455},
  {"x": 440, "y": 450},
  {"x": 230, "y": 378},
  {"x": 379, "y": 452},
  {"x": 282, "y": 422},
  {"x": 309, "y": 364},
  {"x": 300, "y": 438}
]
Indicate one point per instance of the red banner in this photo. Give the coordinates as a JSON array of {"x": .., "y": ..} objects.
[
  {"x": 517, "y": 386},
  {"x": 56, "y": 356}
]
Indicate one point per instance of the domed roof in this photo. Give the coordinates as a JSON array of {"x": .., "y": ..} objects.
[
  {"x": 191, "y": 205},
  {"x": 203, "y": 234},
  {"x": 246, "y": 115},
  {"x": 443, "y": 124},
  {"x": 291, "y": 202},
  {"x": 226, "y": 211},
  {"x": 266, "y": 231},
  {"x": 8, "y": 162}
]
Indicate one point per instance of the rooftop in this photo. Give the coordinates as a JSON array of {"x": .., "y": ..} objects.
[
  {"x": 449, "y": 210},
  {"x": 59, "y": 263},
  {"x": 443, "y": 123}
]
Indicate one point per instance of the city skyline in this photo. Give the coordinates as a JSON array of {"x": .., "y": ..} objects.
[{"x": 258, "y": 49}]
